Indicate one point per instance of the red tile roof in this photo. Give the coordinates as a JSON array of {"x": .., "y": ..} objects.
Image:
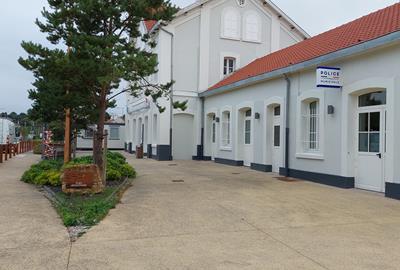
[
  {"x": 150, "y": 24},
  {"x": 372, "y": 26}
]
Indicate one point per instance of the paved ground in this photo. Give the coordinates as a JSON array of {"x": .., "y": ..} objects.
[
  {"x": 220, "y": 217},
  {"x": 224, "y": 217},
  {"x": 31, "y": 234}
]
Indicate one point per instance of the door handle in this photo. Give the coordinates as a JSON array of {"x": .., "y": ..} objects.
[{"x": 379, "y": 155}]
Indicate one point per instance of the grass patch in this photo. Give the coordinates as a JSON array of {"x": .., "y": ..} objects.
[{"x": 86, "y": 210}]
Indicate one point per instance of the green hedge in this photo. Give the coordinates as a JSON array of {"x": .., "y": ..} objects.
[{"x": 48, "y": 172}]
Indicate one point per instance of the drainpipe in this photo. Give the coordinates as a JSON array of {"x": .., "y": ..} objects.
[
  {"x": 171, "y": 96},
  {"x": 202, "y": 128},
  {"x": 287, "y": 106}
]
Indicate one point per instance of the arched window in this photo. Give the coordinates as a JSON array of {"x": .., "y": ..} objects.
[
  {"x": 311, "y": 126},
  {"x": 230, "y": 24},
  {"x": 251, "y": 27}
]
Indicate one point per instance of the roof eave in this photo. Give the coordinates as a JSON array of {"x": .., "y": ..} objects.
[{"x": 359, "y": 48}]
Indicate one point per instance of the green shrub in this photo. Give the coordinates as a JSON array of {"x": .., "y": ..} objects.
[
  {"x": 37, "y": 149},
  {"x": 49, "y": 178},
  {"x": 113, "y": 175},
  {"x": 128, "y": 171},
  {"x": 38, "y": 172}
]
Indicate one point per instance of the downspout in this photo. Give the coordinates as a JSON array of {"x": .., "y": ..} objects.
[
  {"x": 202, "y": 129},
  {"x": 287, "y": 106},
  {"x": 171, "y": 96}
]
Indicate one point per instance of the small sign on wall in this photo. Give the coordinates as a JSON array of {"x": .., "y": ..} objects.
[{"x": 330, "y": 77}]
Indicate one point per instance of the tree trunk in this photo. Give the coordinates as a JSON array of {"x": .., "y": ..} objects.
[{"x": 99, "y": 134}]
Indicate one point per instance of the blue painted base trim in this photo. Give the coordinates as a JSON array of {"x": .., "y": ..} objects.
[
  {"x": 261, "y": 167},
  {"x": 320, "y": 178},
  {"x": 229, "y": 162},
  {"x": 163, "y": 152},
  {"x": 204, "y": 158},
  {"x": 392, "y": 190}
]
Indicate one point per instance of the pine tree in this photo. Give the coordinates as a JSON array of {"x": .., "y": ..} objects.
[{"x": 99, "y": 34}]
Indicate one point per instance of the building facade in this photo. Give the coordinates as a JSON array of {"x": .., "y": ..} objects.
[
  {"x": 325, "y": 109},
  {"x": 203, "y": 44},
  {"x": 7, "y": 131},
  {"x": 115, "y": 139}
]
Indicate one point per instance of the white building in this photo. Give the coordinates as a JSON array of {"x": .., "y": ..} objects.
[
  {"x": 204, "y": 43},
  {"x": 7, "y": 131},
  {"x": 283, "y": 113},
  {"x": 115, "y": 140}
]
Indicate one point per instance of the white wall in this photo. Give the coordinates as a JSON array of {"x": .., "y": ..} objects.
[
  {"x": 379, "y": 68},
  {"x": 87, "y": 143}
]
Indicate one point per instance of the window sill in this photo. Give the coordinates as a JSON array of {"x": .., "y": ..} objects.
[
  {"x": 231, "y": 38},
  {"x": 252, "y": 41},
  {"x": 225, "y": 148},
  {"x": 315, "y": 156}
]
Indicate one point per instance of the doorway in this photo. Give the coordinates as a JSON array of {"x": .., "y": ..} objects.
[
  {"x": 276, "y": 139},
  {"x": 371, "y": 141}
]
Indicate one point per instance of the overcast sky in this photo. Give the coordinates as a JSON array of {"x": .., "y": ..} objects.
[{"x": 17, "y": 23}]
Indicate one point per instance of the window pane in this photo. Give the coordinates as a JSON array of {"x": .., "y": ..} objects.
[
  {"x": 374, "y": 122},
  {"x": 372, "y": 99},
  {"x": 247, "y": 131},
  {"x": 213, "y": 132},
  {"x": 248, "y": 113},
  {"x": 363, "y": 122},
  {"x": 277, "y": 110},
  {"x": 363, "y": 142},
  {"x": 114, "y": 133},
  {"x": 277, "y": 135},
  {"x": 374, "y": 142}
]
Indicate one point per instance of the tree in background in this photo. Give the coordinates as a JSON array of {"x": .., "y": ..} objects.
[{"x": 99, "y": 34}]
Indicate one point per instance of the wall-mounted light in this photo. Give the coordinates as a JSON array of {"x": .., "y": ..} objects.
[
  {"x": 257, "y": 116},
  {"x": 331, "y": 109}
]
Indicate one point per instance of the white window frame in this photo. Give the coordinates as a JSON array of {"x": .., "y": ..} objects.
[
  {"x": 248, "y": 118},
  {"x": 155, "y": 129},
  {"x": 224, "y": 55},
  {"x": 245, "y": 30},
  {"x": 224, "y": 27},
  {"x": 226, "y": 129},
  {"x": 303, "y": 124},
  {"x": 226, "y": 67}
]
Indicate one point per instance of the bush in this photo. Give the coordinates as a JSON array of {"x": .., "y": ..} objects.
[
  {"x": 38, "y": 173},
  {"x": 49, "y": 178},
  {"x": 128, "y": 171},
  {"x": 48, "y": 172},
  {"x": 113, "y": 175},
  {"x": 37, "y": 147}
]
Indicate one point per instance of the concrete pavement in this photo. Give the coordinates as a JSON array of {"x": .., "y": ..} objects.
[
  {"x": 224, "y": 217},
  {"x": 31, "y": 234},
  {"x": 200, "y": 215}
]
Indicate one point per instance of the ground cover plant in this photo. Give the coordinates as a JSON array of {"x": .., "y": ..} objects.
[{"x": 79, "y": 212}]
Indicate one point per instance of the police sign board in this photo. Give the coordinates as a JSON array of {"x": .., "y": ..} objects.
[{"x": 330, "y": 77}]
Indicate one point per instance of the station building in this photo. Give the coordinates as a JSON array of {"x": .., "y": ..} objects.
[{"x": 323, "y": 109}]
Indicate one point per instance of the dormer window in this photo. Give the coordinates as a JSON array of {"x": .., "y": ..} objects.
[{"x": 229, "y": 65}]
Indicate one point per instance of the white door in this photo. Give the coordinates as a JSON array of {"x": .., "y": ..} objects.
[
  {"x": 371, "y": 150},
  {"x": 276, "y": 140},
  {"x": 247, "y": 147},
  {"x": 213, "y": 137},
  {"x": 182, "y": 139}
]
